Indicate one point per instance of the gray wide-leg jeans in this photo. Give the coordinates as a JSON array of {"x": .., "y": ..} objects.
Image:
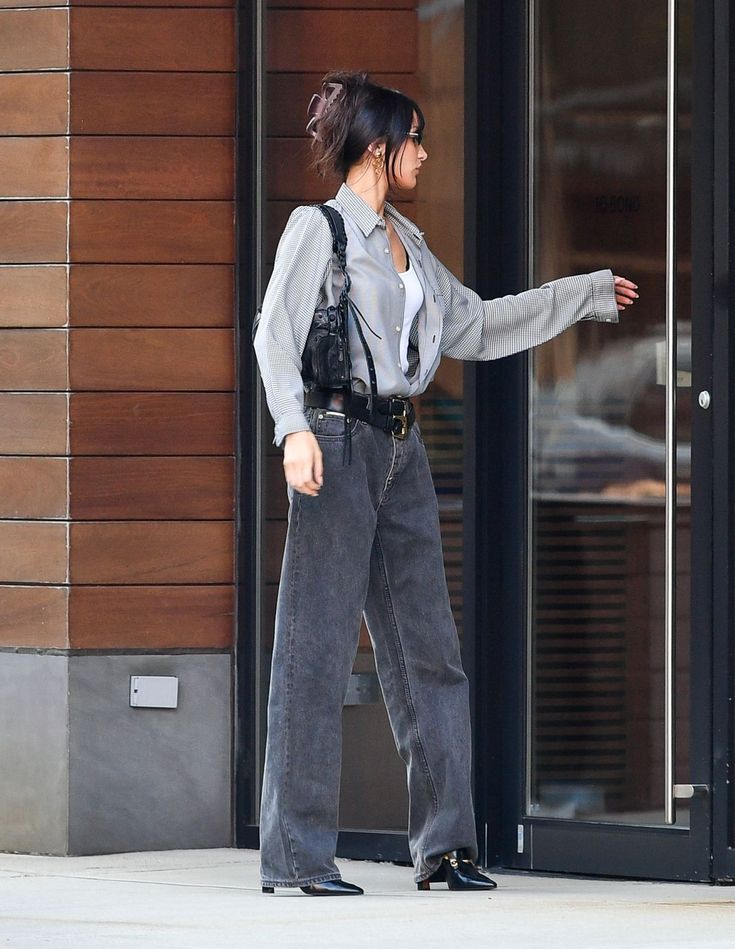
[{"x": 369, "y": 542}]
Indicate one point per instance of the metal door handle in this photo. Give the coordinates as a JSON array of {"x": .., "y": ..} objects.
[{"x": 686, "y": 791}]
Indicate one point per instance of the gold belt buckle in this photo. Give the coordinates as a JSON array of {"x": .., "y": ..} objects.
[{"x": 402, "y": 419}]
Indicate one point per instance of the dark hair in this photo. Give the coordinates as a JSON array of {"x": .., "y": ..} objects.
[{"x": 362, "y": 113}]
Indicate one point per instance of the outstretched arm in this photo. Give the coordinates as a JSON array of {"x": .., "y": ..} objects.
[{"x": 489, "y": 329}]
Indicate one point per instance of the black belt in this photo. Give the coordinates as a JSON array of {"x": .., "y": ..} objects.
[{"x": 391, "y": 414}]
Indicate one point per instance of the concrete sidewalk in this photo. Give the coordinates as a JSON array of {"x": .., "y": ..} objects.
[{"x": 211, "y": 899}]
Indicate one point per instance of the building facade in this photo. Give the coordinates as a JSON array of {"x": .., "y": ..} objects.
[{"x": 151, "y": 155}]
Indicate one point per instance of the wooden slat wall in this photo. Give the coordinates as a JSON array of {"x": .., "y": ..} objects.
[
  {"x": 117, "y": 251},
  {"x": 34, "y": 150},
  {"x": 151, "y": 311}
]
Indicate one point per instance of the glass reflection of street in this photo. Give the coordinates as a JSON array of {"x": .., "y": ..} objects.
[{"x": 597, "y": 448}]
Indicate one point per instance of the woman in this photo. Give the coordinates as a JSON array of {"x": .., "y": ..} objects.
[{"x": 363, "y": 536}]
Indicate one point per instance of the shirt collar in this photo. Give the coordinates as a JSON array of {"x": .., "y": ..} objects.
[{"x": 367, "y": 219}]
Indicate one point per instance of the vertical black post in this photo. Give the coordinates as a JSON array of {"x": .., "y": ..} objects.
[
  {"x": 500, "y": 409},
  {"x": 723, "y": 377},
  {"x": 247, "y": 395}
]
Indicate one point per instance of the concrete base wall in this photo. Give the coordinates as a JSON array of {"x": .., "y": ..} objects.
[
  {"x": 84, "y": 773},
  {"x": 34, "y": 753}
]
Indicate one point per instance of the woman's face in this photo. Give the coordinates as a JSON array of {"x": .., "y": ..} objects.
[{"x": 408, "y": 160}]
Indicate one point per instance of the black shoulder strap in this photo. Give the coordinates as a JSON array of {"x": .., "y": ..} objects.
[
  {"x": 339, "y": 235},
  {"x": 339, "y": 247}
]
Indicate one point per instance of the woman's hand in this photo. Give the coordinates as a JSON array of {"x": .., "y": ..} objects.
[
  {"x": 302, "y": 463},
  {"x": 625, "y": 292}
]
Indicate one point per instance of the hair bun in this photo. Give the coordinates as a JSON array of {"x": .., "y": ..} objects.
[{"x": 350, "y": 113}]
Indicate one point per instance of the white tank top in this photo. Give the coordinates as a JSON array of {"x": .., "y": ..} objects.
[{"x": 413, "y": 300}]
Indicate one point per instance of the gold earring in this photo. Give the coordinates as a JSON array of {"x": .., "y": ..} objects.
[{"x": 378, "y": 162}]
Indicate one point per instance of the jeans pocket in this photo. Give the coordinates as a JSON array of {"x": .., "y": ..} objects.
[{"x": 330, "y": 425}]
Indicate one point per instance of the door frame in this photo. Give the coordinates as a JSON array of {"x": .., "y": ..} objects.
[
  {"x": 567, "y": 845},
  {"x": 723, "y": 390}
]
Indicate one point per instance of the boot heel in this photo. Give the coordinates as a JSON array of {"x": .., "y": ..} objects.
[
  {"x": 423, "y": 885},
  {"x": 267, "y": 889}
]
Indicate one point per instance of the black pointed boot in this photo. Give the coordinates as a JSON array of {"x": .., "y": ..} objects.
[
  {"x": 327, "y": 888},
  {"x": 459, "y": 872}
]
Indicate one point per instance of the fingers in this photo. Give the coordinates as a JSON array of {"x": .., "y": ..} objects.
[
  {"x": 301, "y": 478},
  {"x": 303, "y": 464},
  {"x": 625, "y": 292}
]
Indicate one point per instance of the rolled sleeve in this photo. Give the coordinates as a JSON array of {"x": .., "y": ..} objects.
[
  {"x": 603, "y": 295},
  {"x": 302, "y": 264}
]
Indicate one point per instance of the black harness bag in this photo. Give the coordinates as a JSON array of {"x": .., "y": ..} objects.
[{"x": 325, "y": 362}]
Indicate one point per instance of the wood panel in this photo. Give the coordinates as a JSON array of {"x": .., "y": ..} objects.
[
  {"x": 32, "y": 552},
  {"x": 151, "y": 424},
  {"x": 34, "y": 616},
  {"x": 33, "y": 359},
  {"x": 32, "y": 231},
  {"x": 151, "y": 167},
  {"x": 386, "y": 38},
  {"x": 33, "y": 487},
  {"x": 289, "y": 176},
  {"x": 151, "y": 488},
  {"x": 152, "y": 232},
  {"x": 7, "y": 4},
  {"x": 146, "y": 552},
  {"x": 185, "y": 39},
  {"x": 150, "y": 295},
  {"x": 34, "y": 103},
  {"x": 151, "y": 360},
  {"x": 34, "y": 166},
  {"x": 145, "y": 359},
  {"x": 150, "y": 103},
  {"x": 289, "y": 95},
  {"x": 33, "y": 296},
  {"x": 33, "y": 39},
  {"x": 33, "y": 424},
  {"x": 145, "y": 617}
]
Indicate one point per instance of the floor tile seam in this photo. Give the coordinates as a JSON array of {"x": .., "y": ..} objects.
[{"x": 71, "y": 876}]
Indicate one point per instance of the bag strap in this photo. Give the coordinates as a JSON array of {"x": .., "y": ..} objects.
[{"x": 339, "y": 248}]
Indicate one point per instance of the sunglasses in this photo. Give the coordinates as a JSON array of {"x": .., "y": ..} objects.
[{"x": 418, "y": 137}]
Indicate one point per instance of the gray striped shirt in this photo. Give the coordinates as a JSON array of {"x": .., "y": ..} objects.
[{"x": 453, "y": 320}]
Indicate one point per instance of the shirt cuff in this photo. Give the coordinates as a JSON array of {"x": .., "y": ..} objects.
[
  {"x": 294, "y": 422},
  {"x": 603, "y": 296}
]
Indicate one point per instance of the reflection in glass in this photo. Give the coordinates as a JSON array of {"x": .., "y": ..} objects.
[{"x": 597, "y": 403}]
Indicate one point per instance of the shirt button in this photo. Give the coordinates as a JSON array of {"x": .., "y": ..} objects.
[
  {"x": 398, "y": 329},
  {"x": 400, "y": 286},
  {"x": 386, "y": 251}
]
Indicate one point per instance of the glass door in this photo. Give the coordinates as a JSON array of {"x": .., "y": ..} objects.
[{"x": 609, "y": 785}]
